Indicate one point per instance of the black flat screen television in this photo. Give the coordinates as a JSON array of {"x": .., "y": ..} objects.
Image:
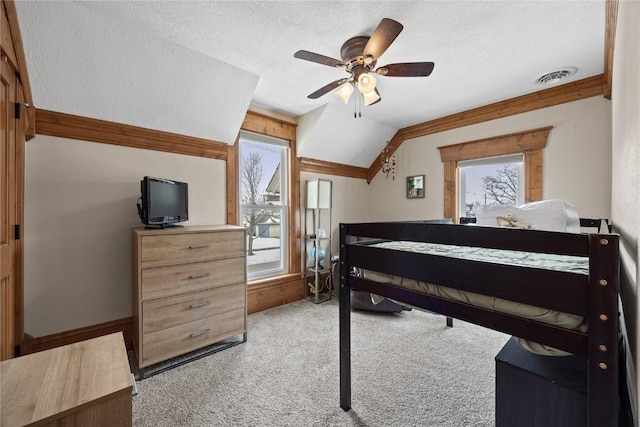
[{"x": 163, "y": 202}]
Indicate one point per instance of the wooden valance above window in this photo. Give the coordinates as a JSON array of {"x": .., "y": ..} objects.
[{"x": 530, "y": 143}]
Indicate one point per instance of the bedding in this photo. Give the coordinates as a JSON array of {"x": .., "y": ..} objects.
[
  {"x": 566, "y": 263},
  {"x": 549, "y": 215}
]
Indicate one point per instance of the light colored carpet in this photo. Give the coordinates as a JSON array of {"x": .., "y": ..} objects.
[{"x": 408, "y": 369}]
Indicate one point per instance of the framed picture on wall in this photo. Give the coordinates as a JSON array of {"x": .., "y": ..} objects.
[{"x": 415, "y": 186}]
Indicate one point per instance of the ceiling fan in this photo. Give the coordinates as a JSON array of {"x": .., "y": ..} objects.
[{"x": 359, "y": 56}]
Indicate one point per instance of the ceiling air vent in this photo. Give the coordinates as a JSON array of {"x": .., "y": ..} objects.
[{"x": 554, "y": 77}]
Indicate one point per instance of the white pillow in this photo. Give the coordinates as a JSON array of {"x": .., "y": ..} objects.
[{"x": 550, "y": 215}]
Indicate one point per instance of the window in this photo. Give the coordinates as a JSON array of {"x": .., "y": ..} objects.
[
  {"x": 263, "y": 203},
  {"x": 490, "y": 181},
  {"x": 528, "y": 144}
]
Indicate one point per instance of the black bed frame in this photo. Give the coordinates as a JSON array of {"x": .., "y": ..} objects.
[{"x": 594, "y": 297}]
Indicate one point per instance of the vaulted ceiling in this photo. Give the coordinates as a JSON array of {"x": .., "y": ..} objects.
[{"x": 195, "y": 67}]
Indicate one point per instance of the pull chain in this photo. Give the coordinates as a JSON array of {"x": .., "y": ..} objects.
[{"x": 357, "y": 107}]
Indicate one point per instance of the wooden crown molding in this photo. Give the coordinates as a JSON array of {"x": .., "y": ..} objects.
[
  {"x": 83, "y": 128},
  {"x": 574, "y": 91},
  {"x": 329, "y": 168},
  {"x": 568, "y": 92},
  {"x": 611, "y": 21}
]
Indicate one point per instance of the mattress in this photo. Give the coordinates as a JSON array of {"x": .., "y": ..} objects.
[{"x": 566, "y": 263}]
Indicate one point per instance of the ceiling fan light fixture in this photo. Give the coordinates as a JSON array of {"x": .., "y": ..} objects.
[
  {"x": 366, "y": 83},
  {"x": 344, "y": 92},
  {"x": 371, "y": 97}
]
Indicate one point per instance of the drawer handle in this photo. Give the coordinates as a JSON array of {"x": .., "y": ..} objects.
[
  {"x": 197, "y": 334},
  {"x": 202, "y": 276},
  {"x": 202, "y": 304},
  {"x": 199, "y": 247}
]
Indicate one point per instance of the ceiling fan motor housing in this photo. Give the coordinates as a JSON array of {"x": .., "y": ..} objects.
[
  {"x": 352, "y": 55},
  {"x": 359, "y": 56}
]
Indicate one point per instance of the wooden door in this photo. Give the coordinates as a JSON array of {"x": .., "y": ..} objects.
[{"x": 9, "y": 277}]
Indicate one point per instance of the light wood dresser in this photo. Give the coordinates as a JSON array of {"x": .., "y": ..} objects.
[
  {"x": 189, "y": 291},
  {"x": 82, "y": 384}
]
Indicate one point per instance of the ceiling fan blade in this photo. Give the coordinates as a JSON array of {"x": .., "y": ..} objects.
[
  {"x": 406, "y": 69},
  {"x": 384, "y": 34},
  {"x": 317, "y": 58},
  {"x": 327, "y": 88}
]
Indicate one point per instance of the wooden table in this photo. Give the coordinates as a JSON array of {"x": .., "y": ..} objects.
[{"x": 83, "y": 384}]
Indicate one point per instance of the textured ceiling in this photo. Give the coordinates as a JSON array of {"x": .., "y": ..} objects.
[{"x": 196, "y": 65}]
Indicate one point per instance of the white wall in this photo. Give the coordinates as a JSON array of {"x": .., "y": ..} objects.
[
  {"x": 576, "y": 161},
  {"x": 625, "y": 203},
  {"x": 349, "y": 202},
  {"x": 79, "y": 208},
  {"x": 84, "y": 62}
]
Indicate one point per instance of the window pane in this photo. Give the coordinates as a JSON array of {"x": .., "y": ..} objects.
[
  {"x": 262, "y": 205},
  {"x": 490, "y": 182},
  {"x": 264, "y": 241},
  {"x": 261, "y": 172}
]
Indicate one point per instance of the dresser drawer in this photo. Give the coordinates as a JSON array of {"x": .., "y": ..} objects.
[
  {"x": 161, "y": 282},
  {"x": 167, "y": 343},
  {"x": 175, "y": 248},
  {"x": 167, "y": 312}
]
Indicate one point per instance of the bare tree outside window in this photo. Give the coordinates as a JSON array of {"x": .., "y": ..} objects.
[
  {"x": 502, "y": 188},
  {"x": 492, "y": 181},
  {"x": 251, "y": 178},
  {"x": 252, "y": 194}
]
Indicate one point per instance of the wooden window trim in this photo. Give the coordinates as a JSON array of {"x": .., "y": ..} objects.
[
  {"x": 273, "y": 291},
  {"x": 269, "y": 126},
  {"x": 530, "y": 143}
]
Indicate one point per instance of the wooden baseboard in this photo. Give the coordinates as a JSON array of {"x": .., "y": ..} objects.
[
  {"x": 47, "y": 342},
  {"x": 270, "y": 293},
  {"x": 260, "y": 296},
  {"x": 27, "y": 344}
]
